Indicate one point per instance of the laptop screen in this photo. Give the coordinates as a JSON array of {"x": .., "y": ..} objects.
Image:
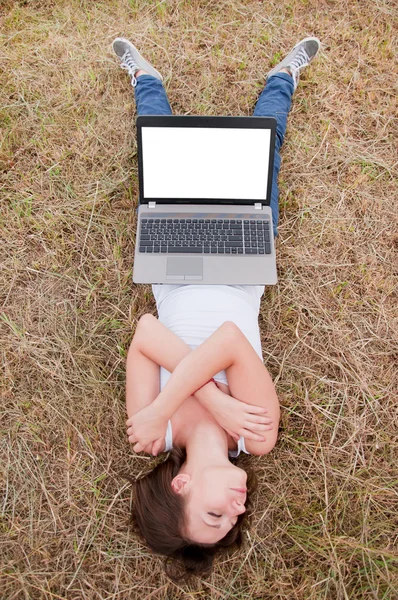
[{"x": 200, "y": 162}]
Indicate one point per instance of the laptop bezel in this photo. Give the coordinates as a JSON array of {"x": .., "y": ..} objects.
[{"x": 213, "y": 122}]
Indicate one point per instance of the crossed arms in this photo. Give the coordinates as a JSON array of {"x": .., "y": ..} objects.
[{"x": 250, "y": 384}]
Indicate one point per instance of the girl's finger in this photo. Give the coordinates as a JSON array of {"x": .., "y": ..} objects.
[
  {"x": 157, "y": 446},
  {"x": 253, "y": 436},
  {"x": 138, "y": 447},
  {"x": 130, "y": 431},
  {"x": 235, "y": 436},
  {"x": 257, "y": 427},
  {"x": 259, "y": 419},
  {"x": 256, "y": 410},
  {"x": 132, "y": 439}
]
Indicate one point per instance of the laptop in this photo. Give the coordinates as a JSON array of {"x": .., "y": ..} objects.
[{"x": 204, "y": 213}]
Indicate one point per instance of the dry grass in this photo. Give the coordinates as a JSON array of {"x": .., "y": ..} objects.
[{"x": 326, "y": 516}]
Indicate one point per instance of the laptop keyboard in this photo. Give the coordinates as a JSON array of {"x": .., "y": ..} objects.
[{"x": 205, "y": 236}]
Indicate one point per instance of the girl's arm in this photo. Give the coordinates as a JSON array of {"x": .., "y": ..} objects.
[
  {"x": 249, "y": 381},
  {"x": 153, "y": 345}
]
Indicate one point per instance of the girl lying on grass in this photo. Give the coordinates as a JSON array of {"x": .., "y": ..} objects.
[{"x": 212, "y": 396}]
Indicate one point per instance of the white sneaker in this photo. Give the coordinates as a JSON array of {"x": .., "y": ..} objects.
[
  {"x": 132, "y": 61},
  {"x": 300, "y": 57}
]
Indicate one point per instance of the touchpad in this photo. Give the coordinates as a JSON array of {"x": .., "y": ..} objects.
[{"x": 185, "y": 265}]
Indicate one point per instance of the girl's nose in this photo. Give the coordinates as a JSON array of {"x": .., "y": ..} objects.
[{"x": 239, "y": 507}]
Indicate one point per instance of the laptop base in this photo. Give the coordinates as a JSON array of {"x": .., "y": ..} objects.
[{"x": 205, "y": 269}]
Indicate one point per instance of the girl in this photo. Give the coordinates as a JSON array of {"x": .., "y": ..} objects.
[{"x": 219, "y": 399}]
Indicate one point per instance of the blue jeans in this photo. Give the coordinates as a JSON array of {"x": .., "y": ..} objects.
[{"x": 274, "y": 101}]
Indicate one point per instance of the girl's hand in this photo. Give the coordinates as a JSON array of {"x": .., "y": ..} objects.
[
  {"x": 154, "y": 448},
  {"x": 147, "y": 427},
  {"x": 239, "y": 418}
]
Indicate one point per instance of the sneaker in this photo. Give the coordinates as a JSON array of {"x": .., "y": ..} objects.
[
  {"x": 132, "y": 61},
  {"x": 300, "y": 57}
]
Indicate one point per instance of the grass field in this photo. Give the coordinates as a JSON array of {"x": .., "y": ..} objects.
[{"x": 325, "y": 518}]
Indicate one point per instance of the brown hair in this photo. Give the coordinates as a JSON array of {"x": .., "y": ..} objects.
[{"x": 158, "y": 514}]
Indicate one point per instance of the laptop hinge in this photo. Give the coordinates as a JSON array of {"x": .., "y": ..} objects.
[
  {"x": 151, "y": 204},
  {"x": 258, "y": 206}
]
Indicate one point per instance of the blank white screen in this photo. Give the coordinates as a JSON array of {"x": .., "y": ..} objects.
[{"x": 198, "y": 162}]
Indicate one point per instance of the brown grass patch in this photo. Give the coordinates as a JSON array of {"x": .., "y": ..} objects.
[{"x": 325, "y": 521}]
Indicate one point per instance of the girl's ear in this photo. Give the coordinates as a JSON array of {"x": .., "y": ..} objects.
[{"x": 179, "y": 483}]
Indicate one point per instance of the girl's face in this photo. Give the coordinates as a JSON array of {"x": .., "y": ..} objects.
[{"x": 214, "y": 498}]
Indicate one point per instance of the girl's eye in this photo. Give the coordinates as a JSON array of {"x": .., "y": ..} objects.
[{"x": 213, "y": 515}]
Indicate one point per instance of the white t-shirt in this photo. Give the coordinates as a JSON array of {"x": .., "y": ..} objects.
[{"x": 194, "y": 312}]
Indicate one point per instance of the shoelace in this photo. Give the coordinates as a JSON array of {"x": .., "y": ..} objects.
[
  {"x": 130, "y": 65},
  {"x": 299, "y": 61}
]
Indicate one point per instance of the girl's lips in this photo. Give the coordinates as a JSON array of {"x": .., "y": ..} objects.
[{"x": 240, "y": 490}]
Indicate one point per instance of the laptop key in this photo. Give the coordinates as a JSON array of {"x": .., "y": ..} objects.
[
  {"x": 142, "y": 248},
  {"x": 214, "y": 250},
  {"x": 267, "y": 248},
  {"x": 149, "y": 249},
  {"x": 233, "y": 245},
  {"x": 240, "y": 250},
  {"x": 145, "y": 237},
  {"x": 157, "y": 249},
  {"x": 234, "y": 238},
  {"x": 206, "y": 250},
  {"x": 220, "y": 250},
  {"x": 189, "y": 249}
]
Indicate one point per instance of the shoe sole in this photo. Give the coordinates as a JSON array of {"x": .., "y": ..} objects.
[
  {"x": 285, "y": 61},
  {"x": 141, "y": 62}
]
